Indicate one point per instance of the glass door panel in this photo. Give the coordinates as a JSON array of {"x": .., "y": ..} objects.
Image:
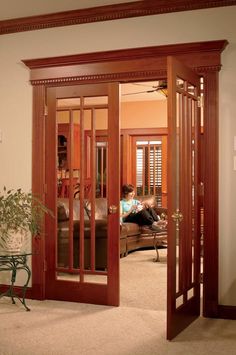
[
  {"x": 83, "y": 226},
  {"x": 94, "y": 231},
  {"x": 183, "y": 304}
]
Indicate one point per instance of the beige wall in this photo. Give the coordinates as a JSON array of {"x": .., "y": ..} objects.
[
  {"x": 181, "y": 27},
  {"x": 144, "y": 114}
]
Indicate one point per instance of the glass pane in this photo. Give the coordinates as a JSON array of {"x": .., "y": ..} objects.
[
  {"x": 101, "y": 169},
  {"x": 190, "y": 293},
  {"x": 179, "y": 301},
  {"x": 180, "y": 83},
  {"x": 177, "y": 198},
  {"x": 72, "y": 102},
  {"x": 96, "y": 160},
  {"x": 99, "y": 100},
  {"x": 68, "y": 204},
  {"x": 191, "y": 89},
  {"x": 86, "y": 228}
]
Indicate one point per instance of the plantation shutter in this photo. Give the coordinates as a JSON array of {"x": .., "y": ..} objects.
[{"x": 149, "y": 168}]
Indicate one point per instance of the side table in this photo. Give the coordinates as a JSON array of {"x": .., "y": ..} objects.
[
  {"x": 14, "y": 262},
  {"x": 159, "y": 239}
]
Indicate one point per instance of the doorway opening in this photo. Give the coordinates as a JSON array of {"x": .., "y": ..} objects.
[{"x": 144, "y": 135}]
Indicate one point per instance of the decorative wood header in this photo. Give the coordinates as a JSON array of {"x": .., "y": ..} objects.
[
  {"x": 126, "y": 54},
  {"x": 123, "y": 65},
  {"x": 106, "y": 13}
]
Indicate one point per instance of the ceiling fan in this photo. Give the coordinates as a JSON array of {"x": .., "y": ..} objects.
[{"x": 160, "y": 87}]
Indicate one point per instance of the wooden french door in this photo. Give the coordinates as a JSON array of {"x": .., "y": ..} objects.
[
  {"x": 82, "y": 244},
  {"x": 183, "y": 280}
]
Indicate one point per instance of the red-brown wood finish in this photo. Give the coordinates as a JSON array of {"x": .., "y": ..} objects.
[
  {"x": 106, "y": 13},
  {"x": 226, "y": 312},
  {"x": 113, "y": 182},
  {"x": 197, "y": 51},
  {"x": 211, "y": 194},
  {"x": 38, "y": 188},
  {"x": 76, "y": 290},
  {"x": 203, "y": 57},
  {"x": 51, "y": 193},
  {"x": 183, "y": 240}
]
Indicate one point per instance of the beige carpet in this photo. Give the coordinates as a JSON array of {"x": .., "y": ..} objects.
[
  {"x": 134, "y": 328},
  {"x": 144, "y": 282}
]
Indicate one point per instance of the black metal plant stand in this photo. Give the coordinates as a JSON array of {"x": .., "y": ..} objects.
[{"x": 14, "y": 262}]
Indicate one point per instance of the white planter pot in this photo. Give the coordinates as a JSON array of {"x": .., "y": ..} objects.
[{"x": 13, "y": 243}]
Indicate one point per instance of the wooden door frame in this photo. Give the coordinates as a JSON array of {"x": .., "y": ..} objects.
[{"x": 128, "y": 65}]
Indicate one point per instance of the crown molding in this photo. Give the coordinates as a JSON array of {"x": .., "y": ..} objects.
[
  {"x": 126, "y": 54},
  {"x": 106, "y": 13}
]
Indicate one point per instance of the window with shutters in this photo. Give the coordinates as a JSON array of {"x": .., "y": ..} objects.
[{"x": 149, "y": 166}]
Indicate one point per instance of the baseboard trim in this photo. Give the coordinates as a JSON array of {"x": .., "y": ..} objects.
[
  {"x": 17, "y": 290},
  {"x": 226, "y": 312}
]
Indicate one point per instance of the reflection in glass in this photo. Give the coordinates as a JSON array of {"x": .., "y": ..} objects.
[
  {"x": 95, "y": 237},
  {"x": 78, "y": 184},
  {"x": 68, "y": 208}
]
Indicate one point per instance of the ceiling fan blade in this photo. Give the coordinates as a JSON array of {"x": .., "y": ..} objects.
[
  {"x": 161, "y": 87},
  {"x": 143, "y": 85},
  {"x": 138, "y": 92}
]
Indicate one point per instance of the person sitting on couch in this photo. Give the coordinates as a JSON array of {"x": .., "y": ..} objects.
[{"x": 135, "y": 211}]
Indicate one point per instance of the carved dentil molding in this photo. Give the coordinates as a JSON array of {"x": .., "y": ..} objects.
[
  {"x": 128, "y": 76},
  {"x": 106, "y": 13}
]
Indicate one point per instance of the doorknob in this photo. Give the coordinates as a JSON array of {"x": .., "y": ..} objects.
[
  {"x": 177, "y": 217},
  {"x": 112, "y": 209}
]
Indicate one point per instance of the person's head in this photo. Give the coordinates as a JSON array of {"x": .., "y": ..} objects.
[{"x": 127, "y": 189}]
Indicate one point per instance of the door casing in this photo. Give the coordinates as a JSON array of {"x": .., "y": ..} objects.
[{"x": 126, "y": 65}]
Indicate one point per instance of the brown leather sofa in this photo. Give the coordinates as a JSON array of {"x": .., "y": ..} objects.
[
  {"x": 141, "y": 237},
  {"x": 63, "y": 233},
  {"x": 132, "y": 236}
]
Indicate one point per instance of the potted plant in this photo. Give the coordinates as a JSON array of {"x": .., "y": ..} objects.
[{"x": 21, "y": 213}]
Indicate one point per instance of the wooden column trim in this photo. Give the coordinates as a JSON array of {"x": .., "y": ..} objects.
[
  {"x": 227, "y": 312},
  {"x": 38, "y": 187},
  {"x": 211, "y": 194}
]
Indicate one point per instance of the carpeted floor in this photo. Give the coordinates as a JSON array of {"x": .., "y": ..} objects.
[
  {"x": 144, "y": 282},
  {"x": 137, "y": 327}
]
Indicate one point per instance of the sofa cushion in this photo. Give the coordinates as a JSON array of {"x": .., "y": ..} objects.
[
  {"x": 100, "y": 208},
  {"x": 63, "y": 210},
  {"x": 128, "y": 229}
]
